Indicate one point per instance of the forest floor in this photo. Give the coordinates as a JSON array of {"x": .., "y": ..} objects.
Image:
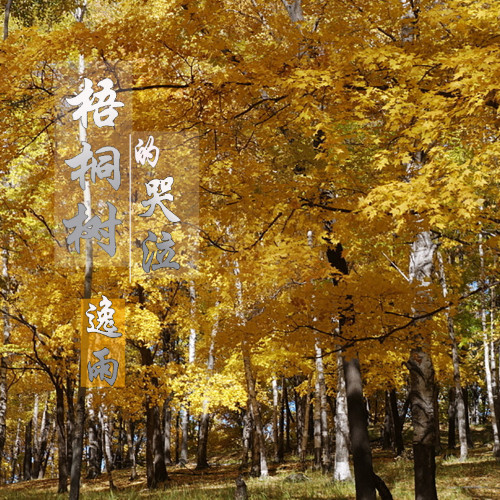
[{"x": 477, "y": 478}]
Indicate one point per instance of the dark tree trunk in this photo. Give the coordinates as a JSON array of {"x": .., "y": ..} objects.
[
  {"x": 422, "y": 409},
  {"x": 246, "y": 436},
  {"x": 167, "y": 432},
  {"x": 437, "y": 435},
  {"x": 95, "y": 447},
  {"x": 201, "y": 458},
  {"x": 155, "y": 460},
  {"x": 61, "y": 442},
  {"x": 465, "y": 393},
  {"x": 281, "y": 429},
  {"x": 41, "y": 448},
  {"x": 398, "y": 422},
  {"x": 360, "y": 442},
  {"x": 28, "y": 451},
  {"x": 131, "y": 450},
  {"x": 452, "y": 415}
]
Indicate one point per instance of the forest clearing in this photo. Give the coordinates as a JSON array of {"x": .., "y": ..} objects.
[{"x": 255, "y": 237}]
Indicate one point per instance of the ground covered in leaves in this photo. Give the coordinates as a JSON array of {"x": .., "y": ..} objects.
[{"x": 477, "y": 478}]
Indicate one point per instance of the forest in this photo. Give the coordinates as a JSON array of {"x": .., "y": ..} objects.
[{"x": 277, "y": 221}]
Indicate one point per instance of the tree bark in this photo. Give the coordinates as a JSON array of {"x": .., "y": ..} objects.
[
  {"x": 255, "y": 411},
  {"x": 61, "y": 442},
  {"x": 106, "y": 446},
  {"x": 3, "y": 359},
  {"x": 326, "y": 459},
  {"x": 28, "y": 451},
  {"x": 397, "y": 422},
  {"x": 131, "y": 450},
  {"x": 360, "y": 442},
  {"x": 41, "y": 443},
  {"x": 77, "y": 442},
  {"x": 341, "y": 470},
  {"x": 275, "y": 420},
  {"x": 167, "y": 432},
  {"x": 422, "y": 408},
  {"x": 458, "y": 395},
  {"x": 95, "y": 446},
  {"x": 6, "y": 19},
  {"x": 487, "y": 364}
]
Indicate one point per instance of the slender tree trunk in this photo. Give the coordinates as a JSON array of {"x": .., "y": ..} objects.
[
  {"x": 41, "y": 446},
  {"x": 201, "y": 459},
  {"x": 281, "y": 433},
  {"x": 106, "y": 446},
  {"x": 452, "y": 417},
  {"x": 275, "y": 420},
  {"x": 397, "y": 422},
  {"x": 16, "y": 448},
  {"x": 317, "y": 427},
  {"x": 3, "y": 359},
  {"x": 326, "y": 459},
  {"x": 77, "y": 442},
  {"x": 167, "y": 432},
  {"x": 8, "y": 5},
  {"x": 95, "y": 446},
  {"x": 246, "y": 435},
  {"x": 437, "y": 435},
  {"x": 305, "y": 433},
  {"x": 459, "y": 401},
  {"x": 341, "y": 470},
  {"x": 131, "y": 450},
  {"x": 360, "y": 442},
  {"x": 61, "y": 442},
  {"x": 487, "y": 364},
  {"x": 255, "y": 411},
  {"x": 388, "y": 434},
  {"x": 28, "y": 451}
]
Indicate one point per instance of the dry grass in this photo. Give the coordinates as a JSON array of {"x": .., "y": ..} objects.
[{"x": 477, "y": 478}]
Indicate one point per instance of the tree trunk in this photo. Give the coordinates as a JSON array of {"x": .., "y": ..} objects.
[
  {"x": 61, "y": 442},
  {"x": 422, "y": 409},
  {"x": 452, "y": 416},
  {"x": 255, "y": 411},
  {"x": 459, "y": 401},
  {"x": 341, "y": 470},
  {"x": 281, "y": 433},
  {"x": 437, "y": 434},
  {"x": 167, "y": 432},
  {"x": 360, "y": 442},
  {"x": 131, "y": 450},
  {"x": 275, "y": 421},
  {"x": 28, "y": 455},
  {"x": 397, "y": 422},
  {"x": 487, "y": 365},
  {"x": 201, "y": 459},
  {"x": 155, "y": 459},
  {"x": 246, "y": 435},
  {"x": 95, "y": 446},
  {"x": 106, "y": 446},
  {"x": 41, "y": 446},
  {"x": 317, "y": 428},
  {"x": 422, "y": 390},
  {"x": 6, "y": 18},
  {"x": 77, "y": 441},
  {"x": 3, "y": 359},
  {"x": 326, "y": 459},
  {"x": 305, "y": 433},
  {"x": 16, "y": 448}
]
